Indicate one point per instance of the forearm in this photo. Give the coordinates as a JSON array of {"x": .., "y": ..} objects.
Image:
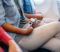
[
  {"x": 13, "y": 47},
  {"x": 33, "y": 16},
  {"x": 13, "y": 29}
]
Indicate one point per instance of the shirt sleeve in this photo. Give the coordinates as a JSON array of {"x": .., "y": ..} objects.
[
  {"x": 2, "y": 13},
  {"x": 4, "y": 37}
]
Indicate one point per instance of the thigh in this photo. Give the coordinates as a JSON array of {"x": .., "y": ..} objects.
[
  {"x": 40, "y": 35},
  {"x": 53, "y": 44},
  {"x": 44, "y": 33}
]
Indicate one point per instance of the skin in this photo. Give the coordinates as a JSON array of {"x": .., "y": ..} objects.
[
  {"x": 28, "y": 16},
  {"x": 38, "y": 17},
  {"x": 13, "y": 47},
  {"x": 6, "y": 39},
  {"x": 13, "y": 29},
  {"x": 27, "y": 30}
]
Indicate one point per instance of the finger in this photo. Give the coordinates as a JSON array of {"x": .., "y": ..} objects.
[{"x": 35, "y": 19}]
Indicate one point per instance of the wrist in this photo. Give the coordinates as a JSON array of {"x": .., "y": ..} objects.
[
  {"x": 27, "y": 20},
  {"x": 22, "y": 31},
  {"x": 10, "y": 42}
]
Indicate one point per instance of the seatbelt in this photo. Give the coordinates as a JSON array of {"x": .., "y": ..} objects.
[
  {"x": 20, "y": 9},
  {"x": 18, "y": 3},
  {"x": 22, "y": 21},
  {"x": 58, "y": 4}
]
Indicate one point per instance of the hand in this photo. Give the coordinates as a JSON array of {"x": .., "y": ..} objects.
[
  {"x": 29, "y": 29},
  {"x": 35, "y": 24},
  {"x": 39, "y": 17}
]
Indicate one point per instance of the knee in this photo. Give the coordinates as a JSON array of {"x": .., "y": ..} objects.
[
  {"x": 56, "y": 49},
  {"x": 56, "y": 46},
  {"x": 53, "y": 45}
]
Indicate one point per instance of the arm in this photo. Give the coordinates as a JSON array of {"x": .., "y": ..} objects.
[
  {"x": 5, "y": 38},
  {"x": 9, "y": 27},
  {"x": 33, "y": 16},
  {"x": 13, "y": 47},
  {"x": 13, "y": 29}
]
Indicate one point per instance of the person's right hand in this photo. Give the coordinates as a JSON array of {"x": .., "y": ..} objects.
[{"x": 29, "y": 29}]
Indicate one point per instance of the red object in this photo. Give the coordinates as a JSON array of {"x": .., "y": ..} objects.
[
  {"x": 4, "y": 37},
  {"x": 1, "y": 49}
]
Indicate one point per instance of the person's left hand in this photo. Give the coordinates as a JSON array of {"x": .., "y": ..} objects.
[{"x": 35, "y": 24}]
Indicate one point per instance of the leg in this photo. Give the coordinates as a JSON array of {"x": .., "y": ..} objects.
[
  {"x": 53, "y": 44},
  {"x": 40, "y": 35}
]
